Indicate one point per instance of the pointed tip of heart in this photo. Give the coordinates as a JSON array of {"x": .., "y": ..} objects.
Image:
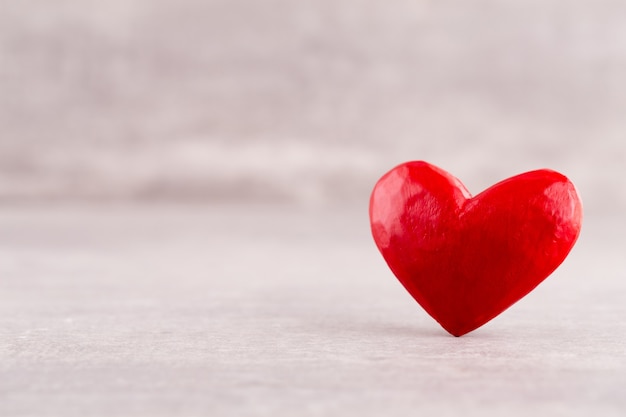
[{"x": 458, "y": 331}]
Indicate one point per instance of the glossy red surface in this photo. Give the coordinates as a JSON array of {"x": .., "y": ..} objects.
[{"x": 467, "y": 259}]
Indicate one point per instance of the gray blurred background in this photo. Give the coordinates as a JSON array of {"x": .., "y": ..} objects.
[
  {"x": 183, "y": 204},
  {"x": 306, "y": 102}
]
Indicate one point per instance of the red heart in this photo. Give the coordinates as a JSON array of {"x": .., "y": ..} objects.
[{"x": 467, "y": 259}]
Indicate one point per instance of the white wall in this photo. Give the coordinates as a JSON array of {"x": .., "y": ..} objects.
[{"x": 308, "y": 101}]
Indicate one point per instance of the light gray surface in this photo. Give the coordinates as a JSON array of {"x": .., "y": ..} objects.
[
  {"x": 289, "y": 310},
  {"x": 276, "y": 311}
]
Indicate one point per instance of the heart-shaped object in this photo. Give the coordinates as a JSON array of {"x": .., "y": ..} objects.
[{"x": 467, "y": 259}]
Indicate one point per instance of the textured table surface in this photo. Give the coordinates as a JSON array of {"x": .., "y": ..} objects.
[
  {"x": 279, "y": 311},
  {"x": 234, "y": 311}
]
